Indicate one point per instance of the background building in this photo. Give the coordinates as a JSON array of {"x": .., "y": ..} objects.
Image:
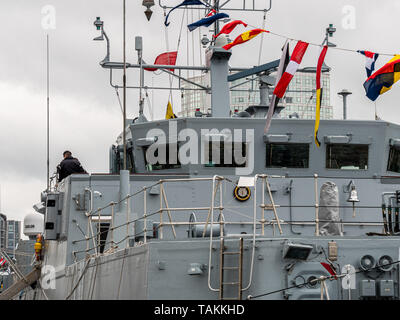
[
  {"x": 300, "y": 96},
  {"x": 10, "y": 234},
  {"x": 194, "y": 99},
  {"x": 3, "y": 231},
  {"x": 13, "y": 235}
]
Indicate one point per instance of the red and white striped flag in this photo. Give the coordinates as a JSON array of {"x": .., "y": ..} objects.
[
  {"x": 2, "y": 261},
  {"x": 291, "y": 68},
  {"x": 281, "y": 68}
]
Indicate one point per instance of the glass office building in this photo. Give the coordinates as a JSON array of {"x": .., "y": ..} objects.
[
  {"x": 13, "y": 235},
  {"x": 300, "y": 97},
  {"x": 3, "y": 231}
]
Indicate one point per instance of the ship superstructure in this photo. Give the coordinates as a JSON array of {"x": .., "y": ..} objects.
[{"x": 224, "y": 210}]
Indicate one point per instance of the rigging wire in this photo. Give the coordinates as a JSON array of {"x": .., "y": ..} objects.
[
  {"x": 261, "y": 43},
  {"x": 171, "y": 79},
  {"x": 79, "y": 280},
  {"x": 187, "y": 43},
  {"x": 305, "y": 108},
  {"x": 148, "y": 103},
  {"x": 119, "y": 99},
  {"x": 200, "y": 52},
  {"x": 179, "y": 40},
  {"x": 192, "y": 33},
  {"x": 202, "y": 94},
  {"x": 167, "y": 48},
  {"x": 260, "y": 51},
  {"x": 152, "y": 97},
  {"x": 180, "y": 31},
  {"x": 319, "y": 45},
  {"x": 121, "y": 274}
]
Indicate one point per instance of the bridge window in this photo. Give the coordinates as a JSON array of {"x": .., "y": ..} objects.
[
  {"x": 347, "y": 156},
  {"x": 162, "y": 166},
  {"x": 102, "y": 231},
  {"x": 130, "y": 163},
  {"x": 287, "y": 155},
  {"x": 222, "y": 154},
  {"x": 119, "y": 161},
  {"x": 394, "y": 159}
]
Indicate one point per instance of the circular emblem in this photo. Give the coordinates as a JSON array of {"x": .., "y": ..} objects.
[{"x": 242, "y": 193}]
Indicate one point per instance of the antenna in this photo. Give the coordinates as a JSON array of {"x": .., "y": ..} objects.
[
  {"x": 329, "y": 33},
  {"x": 48, "y": 115},
  {"x": 344, "y": 93},
  {"x": 139, "y": 49},
  {"x": 124, "y": 83}
]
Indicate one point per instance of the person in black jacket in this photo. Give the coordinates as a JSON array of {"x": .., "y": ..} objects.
[{"x": 69, "y": 166}]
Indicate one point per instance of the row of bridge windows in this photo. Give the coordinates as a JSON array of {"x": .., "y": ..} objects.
[
  {"x": 280, "y": 155},
  {"x": 283, "y": 155},
  {"x": 338, "y": 156}
]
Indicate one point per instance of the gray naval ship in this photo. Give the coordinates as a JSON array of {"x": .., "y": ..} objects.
[{"x": 247, "y": 215}]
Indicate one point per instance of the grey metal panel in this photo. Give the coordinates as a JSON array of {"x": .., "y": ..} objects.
[
  {"x": 52, "y": 220},
  {"x": 386, "y": 288},
  {"x": 264, "y": 67},
  {"x": 276, "y": 138},
  {"x": 368, "y": 288},
  {"x": 176, "y": 258},
  {"x": 121, "y": 275},
  {"x": 220, "y": 103},
  {"x": 289, "y": 137}
]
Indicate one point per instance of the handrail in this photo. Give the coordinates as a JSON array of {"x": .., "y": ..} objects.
[
  {"x": 306, "y": 223},
  {"x": 254, "y": 232},
  {"x": 316, "y": 205},
  {"x": 216, "y": 185},
  {"x": 95, "y": 213},
  {"x": 211, "y": 233}
]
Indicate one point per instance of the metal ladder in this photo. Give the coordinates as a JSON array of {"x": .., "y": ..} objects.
[{"x": 238, "y": 270}]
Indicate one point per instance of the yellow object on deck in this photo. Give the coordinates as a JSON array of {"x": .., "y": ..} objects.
[
  {"x": 38, "y": 246},
  {"x": 170, "y": 113}
]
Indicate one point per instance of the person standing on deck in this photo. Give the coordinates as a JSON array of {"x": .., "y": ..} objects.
[{"x": 69, "y": 166}]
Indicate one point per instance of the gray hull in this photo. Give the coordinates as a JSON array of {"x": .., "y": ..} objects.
[{"x": 161, "y": 270}]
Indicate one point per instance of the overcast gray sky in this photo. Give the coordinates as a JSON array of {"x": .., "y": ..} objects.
[{"x": 85, "y": 114}]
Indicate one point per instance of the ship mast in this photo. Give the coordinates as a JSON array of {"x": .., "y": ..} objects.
[
  {"x": 124, "y": 84},
  {"x": 107, "y": 64},
  {"x": 216, "y": 25},
  {"x": 48, "y": 112}
]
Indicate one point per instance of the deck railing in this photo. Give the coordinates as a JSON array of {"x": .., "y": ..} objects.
[{"x": 165, "y": 213}]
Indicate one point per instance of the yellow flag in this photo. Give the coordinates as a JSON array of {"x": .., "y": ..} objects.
[
  {"x": 319, "y": 94},
  {"x": 170, "y": 113},
  {"x": 317, "y": 116}
]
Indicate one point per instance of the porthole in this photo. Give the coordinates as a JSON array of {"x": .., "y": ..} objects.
[{"x": 242, "y": 193}]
